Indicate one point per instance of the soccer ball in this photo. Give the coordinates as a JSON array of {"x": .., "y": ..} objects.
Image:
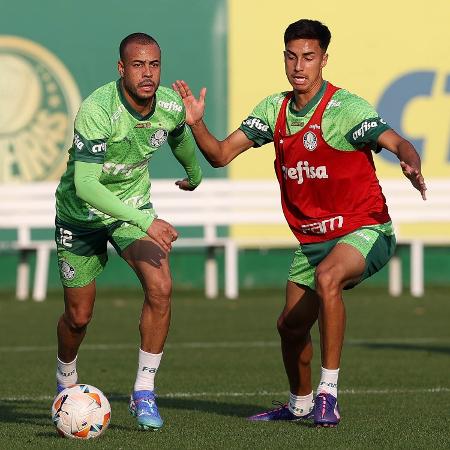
[{"x": 81, "y": 411}]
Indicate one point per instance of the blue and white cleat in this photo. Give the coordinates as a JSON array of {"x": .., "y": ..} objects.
[
  {"x": 60, "y": 387},
  {"x": 326, "y": 410},
  {"x": 281, "y": 413},
  {"x": 143, "y": 407}
]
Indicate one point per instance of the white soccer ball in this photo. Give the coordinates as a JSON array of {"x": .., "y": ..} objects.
[{"x": 81, "y": 411}]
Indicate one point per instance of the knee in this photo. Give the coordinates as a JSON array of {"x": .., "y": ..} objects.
[
  {"x": 290, "y": 333},
  {"x": 299, "y": 337},
  {"x": 327, "y": 282},
  {"x": 158, "y": 293},
  {"x": 78, "y": 320}
]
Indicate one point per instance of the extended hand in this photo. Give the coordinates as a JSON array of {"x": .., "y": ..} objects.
[
  {"x": 184, "y": 185},
  {"x": 415, "y": 177},
  {"x": 163, "y": 233},
  {"x": 195, "y": 108}
]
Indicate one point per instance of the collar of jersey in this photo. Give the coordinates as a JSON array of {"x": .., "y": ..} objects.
[
  {"x": 310, "y": 105},
  {"x": 129, "y": 108}
]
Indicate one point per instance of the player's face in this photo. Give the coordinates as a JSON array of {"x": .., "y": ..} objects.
[
  {"x": 303, "y": 62},
  {"x": 140, "y": 70}
]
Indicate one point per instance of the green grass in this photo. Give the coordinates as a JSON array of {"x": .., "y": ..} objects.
[{"x": 222, "y": 363}]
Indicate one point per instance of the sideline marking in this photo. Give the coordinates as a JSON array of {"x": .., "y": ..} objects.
[{"x": 435, "y": 390}]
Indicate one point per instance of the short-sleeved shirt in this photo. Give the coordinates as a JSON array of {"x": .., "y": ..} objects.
[
  {"x": 109, "y": 132},
  {"x": 348, "y": 123}
]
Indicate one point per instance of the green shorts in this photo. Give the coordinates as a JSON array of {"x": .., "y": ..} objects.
[
  {"x": 376, "y": 243},
  {"x": 82, "y": 252}
]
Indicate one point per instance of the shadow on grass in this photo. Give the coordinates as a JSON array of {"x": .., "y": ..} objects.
[
  {"x": 231, "y": 409},
  {"x": 54, "y": 436},
  {"x": 36, "y": 413},
  {"x": 29, "y": 414},
  {"x": 237, "y": 410},
  {"x": 25, "y": 411},
  {"x": 210, "y": 406},
  {"x": 403, "y": 346}
]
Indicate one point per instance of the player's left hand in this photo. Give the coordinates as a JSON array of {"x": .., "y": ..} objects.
[
  {"x": 184, "y": 185},
  {"x": 415, "y": 177}
]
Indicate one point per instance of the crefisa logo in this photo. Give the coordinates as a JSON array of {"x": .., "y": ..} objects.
[{"x": 38, "y": 102}]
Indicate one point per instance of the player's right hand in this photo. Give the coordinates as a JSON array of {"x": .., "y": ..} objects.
[
  {"x": 195, "y": 108},
  {"x": 163, "y": 233}
]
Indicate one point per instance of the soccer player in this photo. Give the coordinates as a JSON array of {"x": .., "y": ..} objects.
[
  {"x": 104, "y": 195},
  {"x": 332, "y": 201}
]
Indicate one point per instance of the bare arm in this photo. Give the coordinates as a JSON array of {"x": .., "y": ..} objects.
[
  {"x": 218, "y": 153},
  {"x": 409, "y": 158}
]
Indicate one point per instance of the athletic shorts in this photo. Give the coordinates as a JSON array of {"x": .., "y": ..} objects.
[
  {"x": 376, "y": 243},
  {"x": 82, "y": 252}
]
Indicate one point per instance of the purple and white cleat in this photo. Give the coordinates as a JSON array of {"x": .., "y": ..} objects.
[
  {"x": 281, "y": 413},
  {"x": 326, "y": 410}
]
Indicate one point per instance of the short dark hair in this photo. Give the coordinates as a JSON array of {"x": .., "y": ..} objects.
[
  {"x": 138, "y": 38},
  {"x": 308, "y": 29}
]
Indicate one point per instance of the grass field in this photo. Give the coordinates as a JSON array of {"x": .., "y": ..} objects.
[{"x": 222, "y": 363}]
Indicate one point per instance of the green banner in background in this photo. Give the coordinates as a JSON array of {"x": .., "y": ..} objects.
[{"x": 54, "y": 54}]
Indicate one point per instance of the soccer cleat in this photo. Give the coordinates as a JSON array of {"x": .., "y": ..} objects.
[
  {"x": 60, "y": 387},
  {"x": 281, "y": 413},
  {"x": 143, "y": 407},
  {"x": 326, "y": 410}
]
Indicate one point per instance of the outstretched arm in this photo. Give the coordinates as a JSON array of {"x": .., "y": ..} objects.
[
  {"x": 409, "y": 158},
  {"x": 218, "y": 153}
]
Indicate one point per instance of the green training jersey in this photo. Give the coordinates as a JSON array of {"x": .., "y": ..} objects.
[
  {"x": 348, "y": 123},
  {"x": 109, "y": 132}
]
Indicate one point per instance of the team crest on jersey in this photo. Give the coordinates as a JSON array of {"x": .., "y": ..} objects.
[
  {"x": 310, "y": 141},
  {"x": 67, "y": 271},
  {"x": 158, "y": 137}
]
